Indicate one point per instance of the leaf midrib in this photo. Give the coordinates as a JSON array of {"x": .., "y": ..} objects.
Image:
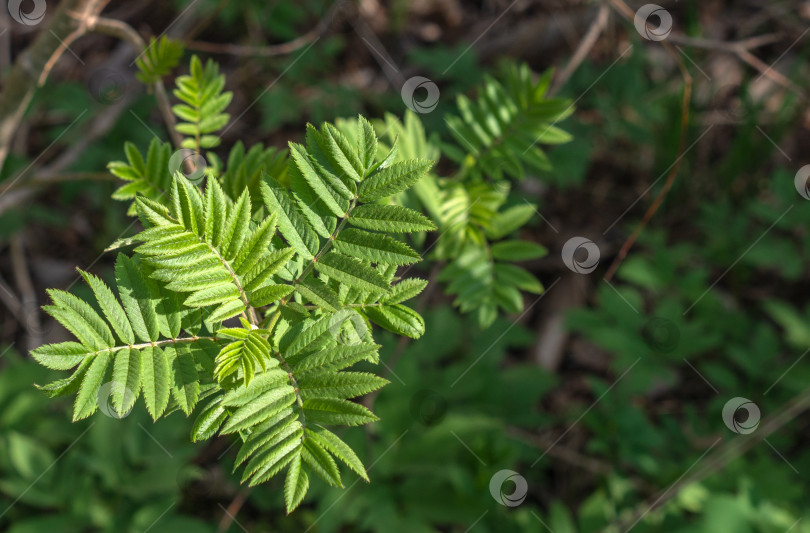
[{"x": 163, "y": 342}]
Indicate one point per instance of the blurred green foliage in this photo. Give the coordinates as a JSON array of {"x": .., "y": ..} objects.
[{"x": 101, "y": 474}]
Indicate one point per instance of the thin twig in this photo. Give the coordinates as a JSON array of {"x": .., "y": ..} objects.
[
  {"x": 29, "y": 312},
  {"x": 10, "y": 298},
  {"x": 49, "y": 178},
  {"x": 768, "y": 72},
  {"x": 718, "y": 460},
  {"x": 742, "y": 49},
  {"x": 597, "y": 27},
  {"x": 127, "y": 33},
  {"x": 5, "y": 40},
  {"x": 377, "y": 50},
  {"x": 233, "y": 509},
  {"x": 729, "y": 46},
  {"x": 623, "y": 9},
  {"x": 573, "y": 457},
  {"x": 45, "y": 178},
  {"x": 274, "y": 49},
  {"x": 83, "y": 18},
  {"x": 15, "y": 192}
]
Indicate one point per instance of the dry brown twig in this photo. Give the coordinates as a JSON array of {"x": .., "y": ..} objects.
[
  {"x": 29, "y": 311},
  {"x": 742, "y": 49},
  {"x": 233, "y": 508},
  {"x": 125, "y": 32},
  {"x": 16, "y": 192},
  {"x": 83, "y": 17},
  {"x": 30, "y": 70},
  {"x": 10, "y": 298},
  {"x": 628, "y": 13},
  {"x": 732, "y": 46},
  {"x": 72, "y": 20},
  {"x": 719, "y": 459},
  {"x": 585, "y": 46},
  {"x": 274, "y": 49},
  {"x": 23, "y": 186}
]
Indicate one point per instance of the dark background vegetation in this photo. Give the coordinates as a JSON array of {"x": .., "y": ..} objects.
[{"x": 606, "y": 396}]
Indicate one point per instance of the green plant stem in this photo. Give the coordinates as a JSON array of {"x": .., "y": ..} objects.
[
  {"x": 325, "y": 248},
  {"x": 178, "y": 340},
  {"x": 328, "y": 244},
  {"x": 348, "y": 306},
  {"x": 274, "y": 320},
  {"x": 251, "y": 312}
]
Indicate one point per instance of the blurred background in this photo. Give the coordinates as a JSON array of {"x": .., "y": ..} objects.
[{"x": 665, "y": 395}]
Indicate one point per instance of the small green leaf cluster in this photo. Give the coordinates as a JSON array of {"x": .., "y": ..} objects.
[
  {"x": 158, "y": 59},
  {"x": 204, "y": 101},
  {"x": 496, "y": 140},
  {"x": 148, "y": 177},
  {"x": 497, "y": 136}
]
